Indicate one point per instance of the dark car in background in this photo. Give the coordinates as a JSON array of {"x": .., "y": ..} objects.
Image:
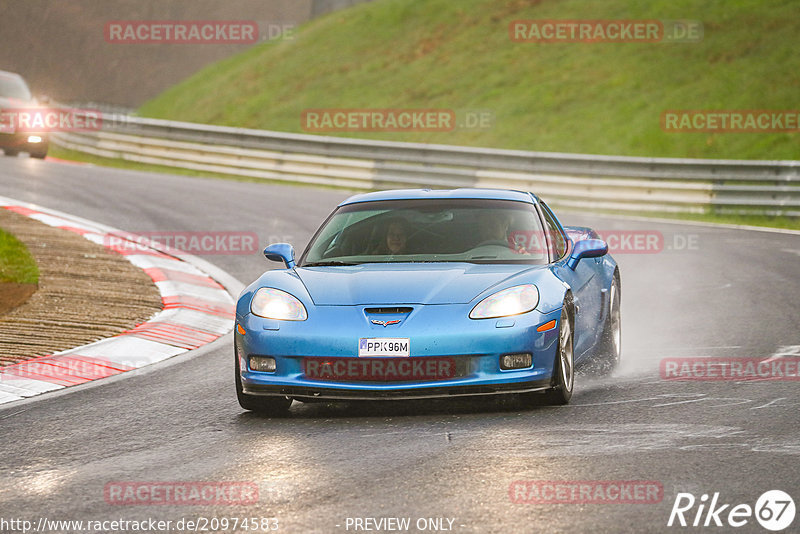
[{"x": 15, "y": 95}]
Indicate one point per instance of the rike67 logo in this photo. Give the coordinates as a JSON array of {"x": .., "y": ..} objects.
[{"x": 774, "y": 510}]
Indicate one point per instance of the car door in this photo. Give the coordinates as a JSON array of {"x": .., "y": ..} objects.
[{"x": 584, "y": 282}]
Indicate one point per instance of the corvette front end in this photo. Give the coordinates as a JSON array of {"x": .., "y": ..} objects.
[
  {"x": 447, "y": 352},
  {"x": 425, "y": 294}
]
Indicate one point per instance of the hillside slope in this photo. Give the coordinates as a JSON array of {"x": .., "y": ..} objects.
[
  {"x": 60, "y": 47},
  {"x": 604, "y": 98}
]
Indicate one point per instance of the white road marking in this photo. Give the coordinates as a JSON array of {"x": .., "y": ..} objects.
[
  {"x": 676, "y": 349},
  {"x": 784, "y": 351},
  {"x": 679, "y": 402},
  {"x": 770, "y": 403},
  {"x": 612, "y": 402}
]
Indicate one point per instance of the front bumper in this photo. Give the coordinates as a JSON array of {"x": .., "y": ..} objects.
[
  {"x": 305, "y": 392},
  {"x": 434, "y": 331}
]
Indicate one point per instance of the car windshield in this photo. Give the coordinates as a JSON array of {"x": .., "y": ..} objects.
[
  {"x": 399, "y": 231},
  {"x": 13, "y": 87}
]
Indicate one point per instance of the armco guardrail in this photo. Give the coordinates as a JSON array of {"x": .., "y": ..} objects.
[{"x": 576, "y": 180}]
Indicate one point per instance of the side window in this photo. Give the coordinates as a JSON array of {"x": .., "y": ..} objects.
[{"x": 556, "y": 240}]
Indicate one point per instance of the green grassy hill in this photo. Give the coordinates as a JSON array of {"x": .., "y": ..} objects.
[{"x": 604, "y": 98}]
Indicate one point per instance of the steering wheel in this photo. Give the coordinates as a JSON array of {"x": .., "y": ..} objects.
[{"x": 493, "y": 243}]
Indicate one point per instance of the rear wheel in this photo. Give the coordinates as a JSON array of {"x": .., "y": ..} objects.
[
  {"x": 564, "y": 366},
  {"x": 610, "y": 348},
  {"x": 267, "y": 405},
  {"x": 10, "y": 152}
]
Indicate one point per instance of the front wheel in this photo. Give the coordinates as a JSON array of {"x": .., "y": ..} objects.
[{"x": 564, "y": 366}]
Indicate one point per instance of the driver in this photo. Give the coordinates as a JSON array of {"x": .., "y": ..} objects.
[{"x": 493, "y": 227}]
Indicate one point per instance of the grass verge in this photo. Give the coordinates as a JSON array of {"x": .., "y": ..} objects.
[{"x": 16, "y": 262}]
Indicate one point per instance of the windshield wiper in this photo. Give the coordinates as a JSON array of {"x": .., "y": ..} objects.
[{"x": 330, "y": 263}]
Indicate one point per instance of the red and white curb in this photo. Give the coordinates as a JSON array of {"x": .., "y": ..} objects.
[{"x": 198, "y": 309}]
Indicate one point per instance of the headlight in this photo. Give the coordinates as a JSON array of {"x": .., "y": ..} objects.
[
  {"x": 511, "y": 301},
  {"x": 276, "y": 304}
]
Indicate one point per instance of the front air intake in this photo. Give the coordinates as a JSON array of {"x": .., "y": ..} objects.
[{"x": 387, "y": 311}]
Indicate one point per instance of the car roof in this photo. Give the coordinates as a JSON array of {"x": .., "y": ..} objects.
[{"x": 442, "y": 194}]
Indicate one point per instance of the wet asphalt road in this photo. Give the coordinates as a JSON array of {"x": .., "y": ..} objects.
[{"x": 709, "y": 292}]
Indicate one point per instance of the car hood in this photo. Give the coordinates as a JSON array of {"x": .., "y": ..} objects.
[{"x": 451, "y": 283}]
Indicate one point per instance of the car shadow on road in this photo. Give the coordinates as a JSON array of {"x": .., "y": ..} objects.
[
  {"x": 591, "y": 377},
  {"x": 496, "y": 404}
]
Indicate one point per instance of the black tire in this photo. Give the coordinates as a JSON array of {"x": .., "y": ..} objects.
[
  {"x": 609, "y": 350},
  {"x": 40, "y": 154},
  {"x": 564, "y": 366},
  {"x": 267, "y": 405},
  {"x": 10, "y": 152}
]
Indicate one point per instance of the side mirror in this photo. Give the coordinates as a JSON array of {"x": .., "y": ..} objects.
[
  {"x": 281, "y": 252},
  {"x": 588, "y": 248}
]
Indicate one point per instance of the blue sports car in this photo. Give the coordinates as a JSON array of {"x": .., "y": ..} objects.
[{"x": 415, "y": 294}]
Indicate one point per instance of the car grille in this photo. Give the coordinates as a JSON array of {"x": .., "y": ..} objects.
[
  {"x": 388, "y": 311},
  {"x": 387, "y": 370}
]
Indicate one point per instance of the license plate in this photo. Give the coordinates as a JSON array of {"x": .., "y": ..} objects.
[{"x": 384, "y": 347}]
